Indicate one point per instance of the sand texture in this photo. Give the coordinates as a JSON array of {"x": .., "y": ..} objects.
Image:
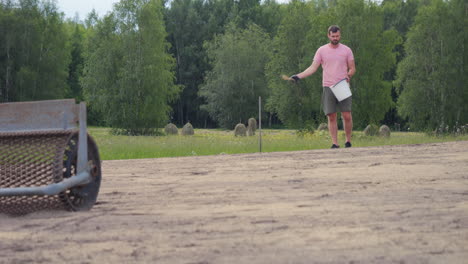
[{"x": 391, "y": 204}]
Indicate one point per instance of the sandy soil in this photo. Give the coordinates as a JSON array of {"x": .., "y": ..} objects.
[{"x": 393, "y": 204}]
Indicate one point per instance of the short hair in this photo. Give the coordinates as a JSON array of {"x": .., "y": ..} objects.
[{"x": 333, "y": 29}]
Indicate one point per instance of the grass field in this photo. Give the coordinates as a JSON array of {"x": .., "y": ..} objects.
[{"x": 215, "y": 142}]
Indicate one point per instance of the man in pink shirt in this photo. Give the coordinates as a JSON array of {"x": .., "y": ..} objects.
[{"x": 337, "y": 62}]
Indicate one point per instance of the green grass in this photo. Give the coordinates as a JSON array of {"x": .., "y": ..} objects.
[{"x": 214, "y": 142}]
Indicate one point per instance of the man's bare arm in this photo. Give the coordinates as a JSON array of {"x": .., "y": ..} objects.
[
  {"x": 309, "y": 71},
  {"x": 351, "y": 69}
]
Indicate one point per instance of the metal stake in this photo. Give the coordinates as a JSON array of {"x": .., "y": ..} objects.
[{"x": 260, "y": 123}]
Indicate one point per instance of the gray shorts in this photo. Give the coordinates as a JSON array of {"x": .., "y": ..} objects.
[{"x": 331, "y": 105}]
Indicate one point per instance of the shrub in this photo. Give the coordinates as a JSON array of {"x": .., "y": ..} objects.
[
  {"x": 240, "y": 130},
  {"x": 462, "y": 130},
  {"x": 187, "y": 130},
  {"x": 309, "y": 128},
  {"x": 137, "y": 132},
  {"x": 457, "y": 129},
  {"x": 171, "y": 129}
]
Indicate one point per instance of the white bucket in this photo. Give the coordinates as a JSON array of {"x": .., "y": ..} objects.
[{"x": 341, "y": 90}]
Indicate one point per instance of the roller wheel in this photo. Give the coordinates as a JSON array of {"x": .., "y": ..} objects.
[{"x": 81, "y": 198}]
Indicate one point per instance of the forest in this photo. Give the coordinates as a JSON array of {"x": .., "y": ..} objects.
[{"x": 150, "y": 62}]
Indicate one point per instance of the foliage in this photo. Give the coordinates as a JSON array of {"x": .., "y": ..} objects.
[
  {"x": 220, "y": 142},
  {"x": 187, "y": 29},
  {"x": 398, "y": 15},
  {"x": 34, "y": 52},
  {"x": 362, "y": 30},
  {"x": 75, "y": 68},
  {"x": 232, "y": 89},
  {"x": 270, "y": 14},
  {"x": 293, "y": 103},
  {"x": 374, "y": 52},
  {"x": 308, "y": 128},
  {"x": 121, "y": 63},
  {"x": 433, "y": 92},
  {"x": 191, "y": 23},
  {"x": 128, "y": 73}
]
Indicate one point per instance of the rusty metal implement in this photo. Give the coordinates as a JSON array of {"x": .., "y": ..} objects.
[{"x": 47, "y": 159}]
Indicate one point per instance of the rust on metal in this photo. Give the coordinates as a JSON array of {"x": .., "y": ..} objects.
[
  {"x": 39, "y": 115},
  {"x": 29, "y": 160},
  {"x": 42, "y": 148}
]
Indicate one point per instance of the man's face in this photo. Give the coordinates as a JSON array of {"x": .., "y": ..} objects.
[{"x": 334, "y": 37}]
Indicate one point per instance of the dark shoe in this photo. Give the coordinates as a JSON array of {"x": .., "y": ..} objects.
[
  {"x": 335, "y": 146},
  {"x": 347, "y": 144}
]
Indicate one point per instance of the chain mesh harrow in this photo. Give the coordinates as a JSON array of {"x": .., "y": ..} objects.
[{"x": 30, "y": 160}]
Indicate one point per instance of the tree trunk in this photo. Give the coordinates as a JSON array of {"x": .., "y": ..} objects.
[
  {"x": 269, "y": 120},
  {"x": 7, "y": 77}
]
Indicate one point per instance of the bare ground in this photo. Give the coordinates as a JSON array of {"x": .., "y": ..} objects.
[{"x": 392, "y": 204}]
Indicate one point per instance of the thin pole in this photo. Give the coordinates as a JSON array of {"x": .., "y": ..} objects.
[{"x": 260, "y": 123}]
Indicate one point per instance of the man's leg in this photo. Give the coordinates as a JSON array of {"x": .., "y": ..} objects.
[
  {"x": 348, "y": 125},
  {"x": 333, "y": 127}
]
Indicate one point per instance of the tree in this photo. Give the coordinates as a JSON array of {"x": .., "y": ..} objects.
[
  {"x": 232, "y": 88},
  {"x": 7, "y": 50},
  {"x": 245, "y": 12},
  {"x": 294, "y": 104},
  {"x": 128, "y": 73},
  {"x": 269, "y": 16},
  {"x": 75, "y": 68},
  {"x": 34, "y": 54},
  {"x": 187, "y": 32},
  {"x": 398, "y": 15},
  {"x": 374, "y": 52},
  {"x": 189, "y": 24},
  {"x": 434, "y": 93},
  {"x": 302, "y": 32}
]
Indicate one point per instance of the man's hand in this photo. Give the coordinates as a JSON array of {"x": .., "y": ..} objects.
[
  {"x": 294, "y": 78},
  {"x": 348, "y": 78}
]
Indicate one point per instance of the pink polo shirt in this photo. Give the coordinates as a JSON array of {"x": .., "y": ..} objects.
[{"x": 334, "y": 62}]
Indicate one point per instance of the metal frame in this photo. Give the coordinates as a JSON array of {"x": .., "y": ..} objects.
[{"x": 43, "y": 116}]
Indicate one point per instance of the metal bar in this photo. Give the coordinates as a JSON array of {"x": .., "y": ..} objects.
[
  {"x": 52, "y": 189},
  {"x": 260, "y": 122},
  {"x": 82, "y": 141},
  {"x": 38, "y": 116}
]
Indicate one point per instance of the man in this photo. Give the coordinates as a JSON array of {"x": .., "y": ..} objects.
[{"x": 337, "y": 62}]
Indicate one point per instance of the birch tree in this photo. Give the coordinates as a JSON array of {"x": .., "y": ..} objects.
[
  {"x": 295, "y": 104},
  {"x": 128, "y": 74},
  {"x": 232, "y": 88},
  {"x": 432, "y": 77},
  {"x": 34, "y": 54}
]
